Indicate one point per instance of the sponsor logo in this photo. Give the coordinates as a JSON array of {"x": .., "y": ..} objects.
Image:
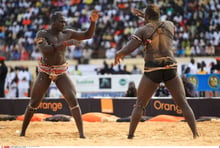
[
  {"x": 213, "y": 82},
  {"x": 122, "y": 82},
  {"x": 84, "y": 81},
  {"x": 105, "y": 83},
  {"x": 50, "y": 106},
  {"x": 193, "y": 80},
  {"x": 158, "y": 105}
]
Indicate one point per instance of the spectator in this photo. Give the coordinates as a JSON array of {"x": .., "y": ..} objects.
[
  {"x": 87, "y": 53},
  {"x": 109, "y": 54},
  {"x": 189, "y": 87},
  {"x": 3, "y": 74},
  {"x": 210, "y": 50},
  {"x": 162, "y": 91},
  {"x": 12, "y": 84},
  {"x": 135, "y": 70},
  {"x": 216, "y": 67},
  {"x": 104, "y": 69},
  {"x": 194, "y": 22},
  {"x": 23, "y": 82},
  {"x": 131, "y": 91},
  {"x": 78, "y": 54},
  {"x": 125, "y": 70},
  {"x": 202, "y": 71},
  {"x": 192, "y": 67}
]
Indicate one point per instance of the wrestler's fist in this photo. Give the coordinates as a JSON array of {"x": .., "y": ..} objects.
[{"x": 94, "y": 16}]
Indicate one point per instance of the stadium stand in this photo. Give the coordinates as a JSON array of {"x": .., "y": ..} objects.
[
  {"x": 197, "y": 29},
  {"x": 197, "y": 25}
]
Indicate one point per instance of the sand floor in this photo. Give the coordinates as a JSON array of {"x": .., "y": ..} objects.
[{"x": 148, "y": 133}]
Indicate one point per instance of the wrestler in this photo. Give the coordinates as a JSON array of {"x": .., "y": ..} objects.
[
  {"x": 160, "y": 66},
  {"x": 52, "y": 43}
]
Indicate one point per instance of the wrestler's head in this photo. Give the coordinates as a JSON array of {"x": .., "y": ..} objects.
[
  {"x": 152, "y": 12},
  {"x": 58, "y": 21}
]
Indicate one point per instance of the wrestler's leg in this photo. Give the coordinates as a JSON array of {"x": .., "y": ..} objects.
[
  {"x": 66, "y": 87},
  {"x": 145, "y": 91},
  {"x": 176, "y": 88},
  {"x": 38, "y": 91}
]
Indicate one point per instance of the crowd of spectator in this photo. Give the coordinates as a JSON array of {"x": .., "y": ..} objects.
[
  {"x": 119, "y": 69},
  {"x": 197, "y": 32},
  {"x": 18, "y": 82},
  {"x": 197, "y": 25},
  {"x": 202, "y": 67}
]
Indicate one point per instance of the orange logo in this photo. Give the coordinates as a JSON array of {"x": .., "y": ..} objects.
[
  {"x": 52, "y": 106},
  {"x": 167, "y": 107}
]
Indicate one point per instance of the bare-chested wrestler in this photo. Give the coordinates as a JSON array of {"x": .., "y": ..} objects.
[
  {"x": 52, "y": 43},
  {"x": 160, "y": 66}
]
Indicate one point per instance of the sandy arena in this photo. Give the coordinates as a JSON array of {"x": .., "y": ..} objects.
[{"x": 148, "y": 133}]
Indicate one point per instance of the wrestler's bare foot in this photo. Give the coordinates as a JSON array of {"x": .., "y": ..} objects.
[
  {"x": 130, "y": 136},
  {"x": 196, "y": 135},
  {"x": 22, "y": 134},
  {"x": 82, "y": 136}
]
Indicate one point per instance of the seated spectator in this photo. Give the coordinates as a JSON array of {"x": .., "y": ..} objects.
[
  {"x": 162, "y": 91},
  {"x": 104, "y": 70},
  {"x": 131, "y": 91},
  {"x": 125, "y": 70},
  {"x": 135, "y": 70}
]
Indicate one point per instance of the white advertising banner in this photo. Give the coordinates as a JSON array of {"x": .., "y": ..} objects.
[
  {"x": 107, "y": 83},
  {"x": 98, "y": 85}
]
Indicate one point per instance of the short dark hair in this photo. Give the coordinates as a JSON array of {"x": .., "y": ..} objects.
[
  {"x": 152, "y": 12},
  {"x": 55, "y": 15}
]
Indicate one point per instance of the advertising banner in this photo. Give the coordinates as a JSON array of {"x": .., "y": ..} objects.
[
  {"x": 88, "y": 86},
  {"x": 207, "y": 82},
  {"x": 121, "y": 107},
  {"x": 117, "y": 85}
]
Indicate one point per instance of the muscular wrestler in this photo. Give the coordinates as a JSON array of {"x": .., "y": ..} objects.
[
  {"x": 52, "y": 43},
  {"x": 160, "y": 66}
]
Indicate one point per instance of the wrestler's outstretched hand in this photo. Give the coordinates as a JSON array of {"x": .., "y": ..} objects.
[
  {"x": 137, "y": 12},
  {"x": 94, "y": 16},
  {"x": 118, "y": 58}
]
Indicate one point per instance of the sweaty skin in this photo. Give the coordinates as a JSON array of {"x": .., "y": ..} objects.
[
  {"x": 52, "y": 44},
  {"x": 158, "y": 44}
]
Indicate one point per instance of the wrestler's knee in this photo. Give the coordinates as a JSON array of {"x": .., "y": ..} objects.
[
  {"x": 33, "y": 105},
  {"x": 74, "y": 107},
  {"x": 139, "y": 107},
  {"x": 32, "y": 108}
]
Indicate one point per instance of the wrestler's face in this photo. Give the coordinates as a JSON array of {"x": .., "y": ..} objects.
[{"x": 60, "y": 23}]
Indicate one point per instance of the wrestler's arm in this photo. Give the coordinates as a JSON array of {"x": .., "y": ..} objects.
[
  {"x": 42, "y": 43},
  {"x": 134, "y": 43},
  {"x": 90, "y": 31}
]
